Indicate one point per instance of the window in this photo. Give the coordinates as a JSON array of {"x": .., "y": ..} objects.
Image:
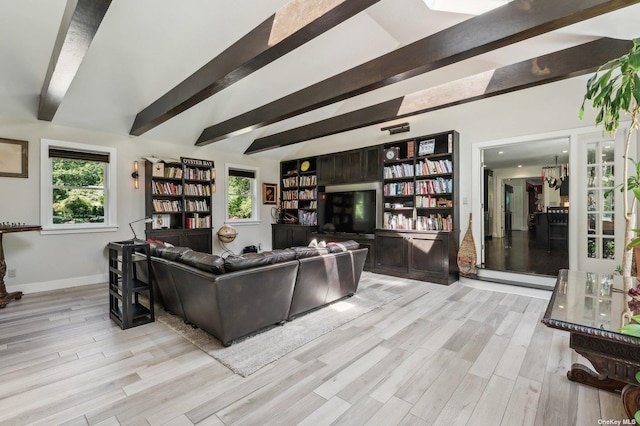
[
  {"x": 242, "y": 205},
  {"x": 600, "y": 200},
  {"x": 77, "y": 187}
]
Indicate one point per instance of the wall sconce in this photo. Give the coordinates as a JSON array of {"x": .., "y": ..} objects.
[
  {"x": 396, "y": 128},
  {"x": 135, "y": 175},
  {"x": 213, "y": 181}
]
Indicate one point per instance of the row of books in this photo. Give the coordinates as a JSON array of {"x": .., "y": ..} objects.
[
  {"x": 167, "y": 206},
  {"x": 434, "y": 223},
  {"x": 397, "y": 221},
  {"x": 398, "y": 188},
  {"x": 196, "y": 205},
  {"x": 289, "y": 195},
  {"x": 398, "y": 171},
  {"x": 428, "y": 167},
  {"x": 434, "y": 186},
  {"x": 197, "y": 221},
  {"x": 310, "y": 204},
  {"x": 308, "y": 194},
  {"x": 290, "y": 182},
  {"x": 308, "y": 218},
  {"x": 197, "y": 174},
  {"x": 310, "y": 180},
  {"x": 173, "y": 172},
  {"x": 293, "y": 204},
  {"x": 432, "y": 202},
  {"x": 166, "y": 188},
  {"x": 197, "y": 189}
]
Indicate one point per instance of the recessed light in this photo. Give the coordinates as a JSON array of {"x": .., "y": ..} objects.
[
  {"x": 500, "y": 152},
  {"x": 565, "y": 151},
  {"x": 519, "y": 165}
]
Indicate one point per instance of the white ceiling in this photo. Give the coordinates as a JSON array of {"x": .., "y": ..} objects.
[{"x": 143, "y": 48}]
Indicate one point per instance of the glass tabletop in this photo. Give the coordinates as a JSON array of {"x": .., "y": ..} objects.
[{"x": 588, "y": 299}]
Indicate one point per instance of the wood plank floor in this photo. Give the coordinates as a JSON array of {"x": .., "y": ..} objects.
[{"x": 437, "y": 355}]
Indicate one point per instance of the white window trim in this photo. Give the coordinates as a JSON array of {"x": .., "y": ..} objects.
[
  {"x": 46, "y": 189},
  {"x": 255, "y": 219}
]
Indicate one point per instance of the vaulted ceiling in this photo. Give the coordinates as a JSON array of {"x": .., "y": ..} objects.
[{"x": 248, "y": 76}]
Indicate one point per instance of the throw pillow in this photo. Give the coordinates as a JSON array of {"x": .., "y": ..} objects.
[{"x": 203, "y": 261}]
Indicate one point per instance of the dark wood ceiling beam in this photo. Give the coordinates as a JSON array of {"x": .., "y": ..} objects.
[
  {"x": 514, "y": 22},
  {"x": 79, "y": 25},
  {"x": 567, "y": 63},
  {"x": 292, "y": 26}
]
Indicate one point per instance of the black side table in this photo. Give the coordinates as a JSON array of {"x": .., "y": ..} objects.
[{"x": 129, "y": 264}]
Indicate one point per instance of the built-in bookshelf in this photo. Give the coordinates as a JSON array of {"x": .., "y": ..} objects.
[
  {"x": 178, "y": 200},
  {"x": 420, "y": 183},
  {"x": 299, "y": 191}
]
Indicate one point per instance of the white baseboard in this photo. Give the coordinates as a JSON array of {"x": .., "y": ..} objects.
[{"x": 58, "y": 284}]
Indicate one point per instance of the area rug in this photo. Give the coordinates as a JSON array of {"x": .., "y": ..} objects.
[{"x": 247, "y": 355}]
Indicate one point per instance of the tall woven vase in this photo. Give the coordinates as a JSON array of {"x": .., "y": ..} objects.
[{"x": 467, "y": 258}]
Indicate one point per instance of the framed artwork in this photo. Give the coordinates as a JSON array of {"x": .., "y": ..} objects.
[
  {"x": 269, "y": 193},
  {"x": 14, "y": 158}
]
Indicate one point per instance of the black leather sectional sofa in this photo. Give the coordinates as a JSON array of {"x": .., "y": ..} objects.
[{"x": 238, "y": 295}]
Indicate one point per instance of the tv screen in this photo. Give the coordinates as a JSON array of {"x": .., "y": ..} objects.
[{"x": 350, "y": 211}]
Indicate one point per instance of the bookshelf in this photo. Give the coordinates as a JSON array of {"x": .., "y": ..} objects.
[
  {"x": 420, "y": 183},
  {"x": 299, "y": 195},
  {"x": 178, "y": 199}
]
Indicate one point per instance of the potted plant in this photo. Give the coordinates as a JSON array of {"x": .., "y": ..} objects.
[{"x": 613, "y": 93}]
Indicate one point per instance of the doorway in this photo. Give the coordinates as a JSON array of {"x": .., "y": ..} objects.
[{"x": 527, "y": 178}]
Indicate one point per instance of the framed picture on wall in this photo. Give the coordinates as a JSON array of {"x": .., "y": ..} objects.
[
  {"x": 269, "y": 193},
  {"x": 14, "y": 158}
]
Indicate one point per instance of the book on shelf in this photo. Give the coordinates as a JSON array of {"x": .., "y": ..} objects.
[
  {"x": 427, "y": 147},
  {"x": 411, "y": 149},
  {"x": 434, "y": 222}
]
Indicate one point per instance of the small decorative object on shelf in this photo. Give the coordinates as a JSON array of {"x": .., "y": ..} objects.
[{"x": 129, "y": 278}]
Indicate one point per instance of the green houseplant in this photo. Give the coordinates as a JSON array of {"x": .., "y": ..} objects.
[{"x": 614, "y": 91}]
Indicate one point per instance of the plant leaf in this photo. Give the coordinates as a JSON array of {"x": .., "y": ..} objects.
[
  {"x": 631, "y": 330},
  {"x": 638, "y": 376}
]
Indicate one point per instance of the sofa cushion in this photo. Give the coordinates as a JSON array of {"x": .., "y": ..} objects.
[
  {"x": 155, "y": 247},
  {"x": 172, "y": 253},
  {"x": 337, "y": 246},
  {"x": 253, "y": 260},
  {"x": 203, "y": 261},
  {"x": 302, "y": 252}
]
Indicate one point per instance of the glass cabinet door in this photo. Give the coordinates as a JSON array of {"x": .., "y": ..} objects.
[{"x": 600, "y": 204}]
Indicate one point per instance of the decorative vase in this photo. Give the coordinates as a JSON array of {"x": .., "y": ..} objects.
[{"x": 467, "y": 257}]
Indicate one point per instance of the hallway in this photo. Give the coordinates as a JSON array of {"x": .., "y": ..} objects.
[{"x": 522, "y": 255}]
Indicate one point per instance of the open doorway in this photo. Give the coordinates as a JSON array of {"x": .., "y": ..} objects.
[{"x": 526, "y": 204}]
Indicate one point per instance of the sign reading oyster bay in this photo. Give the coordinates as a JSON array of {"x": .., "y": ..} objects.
[{"x": 196, "y": 162}]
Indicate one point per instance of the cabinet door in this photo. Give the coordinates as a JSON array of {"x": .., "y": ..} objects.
[
  {"x": 325, "y": 170},
  {"x": 371, "y": 164},
  {"x": 371, "y": 254},
  {"x": 391, "y": 252},
  {"x": 429, "y": 256},
  {"x": 279, "y": 237},
  {"x": 197, "y": 240},
  {"x": 352, "y": 166},
  {"x": 299, "y": 236}
]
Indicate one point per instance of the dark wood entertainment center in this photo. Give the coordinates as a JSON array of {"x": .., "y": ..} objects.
[{"x": 418, "y": 225}]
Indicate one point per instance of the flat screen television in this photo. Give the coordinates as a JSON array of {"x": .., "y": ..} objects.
[{"x": 348, "y": 211}]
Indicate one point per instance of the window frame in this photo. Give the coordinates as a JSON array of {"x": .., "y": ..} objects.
[
  {"x": 255, "y": 206},
  {"x": 46, "y": 190}
]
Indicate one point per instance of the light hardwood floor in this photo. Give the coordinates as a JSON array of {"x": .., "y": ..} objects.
[{"x": 437, "y": 355}]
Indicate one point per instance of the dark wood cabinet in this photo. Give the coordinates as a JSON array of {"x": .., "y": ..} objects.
[
  {"x": 425, "y": 256},
  {"x": 354, "y": 166},
  {"x": 286, "y": 235},
  {"x": 299, "y": 196}
]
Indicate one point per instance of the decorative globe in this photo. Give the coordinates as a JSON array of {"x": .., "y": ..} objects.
[{"x": 227, "y": 233}]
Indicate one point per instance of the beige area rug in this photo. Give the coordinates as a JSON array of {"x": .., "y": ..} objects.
[{"x": 247, "y": 355}]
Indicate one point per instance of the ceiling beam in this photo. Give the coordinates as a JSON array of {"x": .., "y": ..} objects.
[
  {"x": 514, "y": 22},
  {"x": 567, "y": 63},
  {"x": 296, "y": 23},
  {"x": 79, "y": 25}
]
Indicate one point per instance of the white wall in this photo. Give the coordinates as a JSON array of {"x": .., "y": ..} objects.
[{"x": 45, "y": 262}]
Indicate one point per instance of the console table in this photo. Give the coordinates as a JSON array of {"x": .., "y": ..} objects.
[
  {"x": 589, "y": 306},
  {"x": 4, "y": 296}
]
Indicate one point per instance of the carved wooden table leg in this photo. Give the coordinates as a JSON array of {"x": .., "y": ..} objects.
[
  {"x": 631, "y": 399},
  {"x": 582, "y": 374},
  {"x": 4, "y": 296}
]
